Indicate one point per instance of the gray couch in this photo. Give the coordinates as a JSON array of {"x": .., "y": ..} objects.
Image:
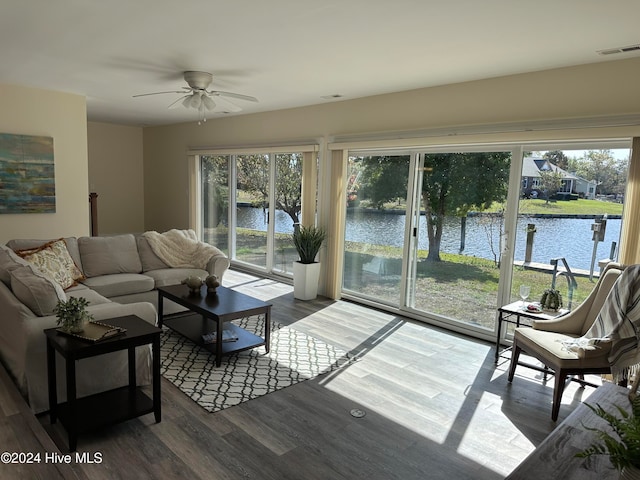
[{"x": 119, "y": 276}]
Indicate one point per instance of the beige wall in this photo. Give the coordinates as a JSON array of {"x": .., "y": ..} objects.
[
  {"x": 62, "y": 116},
  {"x": 116, "y": 175},
  {"x": 595, "y": 90}
]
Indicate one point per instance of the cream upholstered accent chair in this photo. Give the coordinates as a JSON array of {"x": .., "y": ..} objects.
[{"x": 545, "y": 340}]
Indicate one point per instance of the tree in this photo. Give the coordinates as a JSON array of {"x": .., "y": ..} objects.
[
  {"x": 550, "y": 182},
  {"x": 253, "y": 178},
  {"x": 453, "y": 184},
  {"x": 601, "y": 166},
  {"x": 558, "y": 158},
  {"x": 384, "y": 178},
  {"x": 215, "y": 190}
]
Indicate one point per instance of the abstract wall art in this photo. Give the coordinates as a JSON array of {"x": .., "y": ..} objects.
[{"x": 27, "y": 181}]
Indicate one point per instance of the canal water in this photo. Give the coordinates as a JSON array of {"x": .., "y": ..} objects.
[{"x": 570, "y": 238}]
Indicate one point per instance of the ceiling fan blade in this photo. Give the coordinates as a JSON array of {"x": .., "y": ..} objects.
[
  {"x": 217, "y": 93},
  {"x": 226, "y": 106},
  {"x": 175, "y": 104},
  {"x": 158, "y": 93}
]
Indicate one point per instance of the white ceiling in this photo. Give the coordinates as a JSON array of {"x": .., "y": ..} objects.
[{"x": 291, "y": 53}]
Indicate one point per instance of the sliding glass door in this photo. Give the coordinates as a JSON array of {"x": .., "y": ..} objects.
[
  {"x": 214, "y": 187},
  {"x": 250, "y": 205},
  {"x": 422, "y": 233},
  {"x": 287, "y": 203},
  {"x": 375, "y": 226},
  {"x": 458, "y": 226},
  {"x": 252, "y": 208},
  {"x": 449, "y": 236}
]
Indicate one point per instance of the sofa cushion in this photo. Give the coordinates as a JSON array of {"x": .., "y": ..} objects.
[
  {"x": 173, "y": 276},
  {"x": 82, "y": 291},
  {"x": 109, "y": 255},
  {"x": 36, "y": 290},
  {"x": 549, "y": 345},
  {"x": 31, "y": 243},
  {"x": 120, "y": 284},
  {"x": 8, "y": 261},
  {"x": 53, "y": 259},
  {"x": 149, "y": 260}
]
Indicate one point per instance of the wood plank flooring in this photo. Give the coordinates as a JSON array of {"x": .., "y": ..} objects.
[{"x": 436, "y": 407}]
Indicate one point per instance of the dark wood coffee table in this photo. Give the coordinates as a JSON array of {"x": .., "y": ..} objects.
[
  {"x": 216, "y": 311},
  {"x": 79, "y": 415}
]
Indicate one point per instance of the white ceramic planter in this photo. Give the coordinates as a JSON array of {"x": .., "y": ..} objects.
[{"x": 305, "y": 280}]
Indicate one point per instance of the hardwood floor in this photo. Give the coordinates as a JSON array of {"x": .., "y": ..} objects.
[{"x": 436, "y": 406}]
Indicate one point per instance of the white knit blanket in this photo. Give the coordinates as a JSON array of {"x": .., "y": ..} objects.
[
  {"x": 181, "y": 248},
  {"x": 619, "y": 323}
]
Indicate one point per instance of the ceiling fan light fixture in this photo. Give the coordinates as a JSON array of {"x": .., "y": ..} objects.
[
  {"x": 202, "y": 114},
  {"x": 196, "y": 100},
  {"x": 207, "y": 102},
  {"x": 198, "y": 97}
]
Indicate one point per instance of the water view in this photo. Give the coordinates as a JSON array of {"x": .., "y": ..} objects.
[{"x": 555, "y": 237}]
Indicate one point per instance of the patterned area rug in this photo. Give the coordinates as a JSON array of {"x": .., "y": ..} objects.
[{"x": 294, "y": 357}]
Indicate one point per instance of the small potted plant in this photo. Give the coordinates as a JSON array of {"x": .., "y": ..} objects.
[
  {"x": 72, "y": 314},
  {"x": 623, "y": 447},
  {"x": 306, "y": 271},
  {"x": 551, "y": 300}
]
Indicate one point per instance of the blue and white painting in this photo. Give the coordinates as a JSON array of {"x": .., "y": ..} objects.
[{"x": 27, "y": 181}]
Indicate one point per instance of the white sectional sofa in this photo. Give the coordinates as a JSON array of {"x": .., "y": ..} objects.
[{"x": 117, "y": 274}]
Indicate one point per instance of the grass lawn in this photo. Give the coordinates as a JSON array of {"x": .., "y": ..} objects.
[
  {"x": 539, "y": 206},
  {"x": 460, "y": 286},
  {"x": 572, "y": 207}
]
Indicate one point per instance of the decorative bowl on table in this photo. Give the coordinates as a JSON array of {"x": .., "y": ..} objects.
[{"x": 533, "y": 308}]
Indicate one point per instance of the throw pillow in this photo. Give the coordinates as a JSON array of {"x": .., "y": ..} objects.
[
  {"x": 150, "y": 261},
  {"x": 53, "y": 259},
  {"x": 35, "y": 290},
  {"x": 8, "y": 261}
]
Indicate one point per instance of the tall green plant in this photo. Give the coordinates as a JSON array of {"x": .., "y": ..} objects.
[
  {"x": 623, "y": 448},
  {"x": 308, "y": 241}
]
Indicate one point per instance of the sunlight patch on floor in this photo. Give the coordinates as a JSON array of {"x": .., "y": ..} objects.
[{"x": 501, "y": 447}]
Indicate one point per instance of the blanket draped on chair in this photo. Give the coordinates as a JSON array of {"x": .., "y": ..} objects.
[
  {"x": 181, "y": 248},
  {"x": 619, "y": 323}
]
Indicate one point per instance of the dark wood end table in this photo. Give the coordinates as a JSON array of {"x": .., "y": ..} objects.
[
  {"x": 215, "y": 310},
  {"x": 79, "y": 415}
]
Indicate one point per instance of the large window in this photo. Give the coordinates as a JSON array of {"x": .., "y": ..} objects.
[
  {"x": 214, "y": 176},
  {"x": 569, "y": 222},
  {"x": 431, "y": 233},
  {"x": 412, "y": 237},
  {"x": 445, "y": 235},
  {"x": 375, "y": 226},
  {"x": 250, "y": 204}
]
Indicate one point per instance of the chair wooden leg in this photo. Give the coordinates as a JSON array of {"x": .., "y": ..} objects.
[
  {"x": 515, "y": 354},
  {"x": 558, "y": 389}
]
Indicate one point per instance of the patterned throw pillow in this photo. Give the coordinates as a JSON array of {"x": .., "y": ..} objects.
[{"x": 53, "y": 259}]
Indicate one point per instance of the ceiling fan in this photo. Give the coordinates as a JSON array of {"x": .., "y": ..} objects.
[{"x": 198, "y": 97}]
